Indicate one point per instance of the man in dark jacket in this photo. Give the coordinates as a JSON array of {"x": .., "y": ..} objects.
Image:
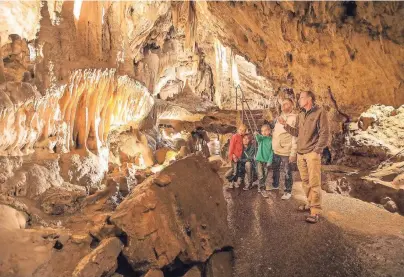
[{"x": 312, "y": 134}]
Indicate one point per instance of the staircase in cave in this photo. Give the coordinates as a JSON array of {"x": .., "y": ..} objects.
[{"x": 257, "y": 116}]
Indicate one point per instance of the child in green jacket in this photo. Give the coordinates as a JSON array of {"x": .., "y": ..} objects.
[{"x": 264, "y": 155}]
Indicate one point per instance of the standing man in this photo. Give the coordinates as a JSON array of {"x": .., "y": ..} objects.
[
  {"x": 284, "y": 146},
  {"x": 312, "y": 134}
]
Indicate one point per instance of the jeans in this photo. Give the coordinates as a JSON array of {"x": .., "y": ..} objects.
[
  {"x": 231, "y": 175},
  {"x": 248, "y": 173},
  {"x": 279, "y": 160},
  {"x": 262, "y": 172}
]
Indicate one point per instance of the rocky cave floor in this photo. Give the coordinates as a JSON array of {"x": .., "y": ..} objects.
[
  {"x": 354, "y": 238},
  {"x": 186, "y": 222}
]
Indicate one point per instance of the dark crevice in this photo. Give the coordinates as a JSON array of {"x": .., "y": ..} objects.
[
  {"x": 125, "y": 269},
  {"x": 347, "y": 117},
  {"x": 58, "y": 245},
  {"x": 124, "y": 238},
  {"x": 326, "y": 156},
  {"x": 156, "y": 255},
  {"x": 94, "y": 242},
  {"x": 350, "y": 9},
  {"x": 176, "y": 269},
  {"x": 289, "y": 57}
]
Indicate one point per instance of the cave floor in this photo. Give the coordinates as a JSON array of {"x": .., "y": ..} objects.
[{"x": 353, "y": 238}]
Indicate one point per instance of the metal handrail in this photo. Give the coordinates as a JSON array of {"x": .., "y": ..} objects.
[{"x": 243, "y": 111}]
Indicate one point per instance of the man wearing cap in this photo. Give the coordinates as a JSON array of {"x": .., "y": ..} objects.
[{"x": 284, "y": 146}]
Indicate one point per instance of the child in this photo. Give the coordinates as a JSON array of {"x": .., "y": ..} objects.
[
  {"x": 235, "y": 151},
  {"x": 247, "y": 161},
  {"x": 264, "y": 155}
]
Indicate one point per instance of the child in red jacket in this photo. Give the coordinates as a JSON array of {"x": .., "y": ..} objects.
[{"x": 235, "y": 152}]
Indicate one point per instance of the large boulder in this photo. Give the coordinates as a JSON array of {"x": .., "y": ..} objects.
[
  {"x": 102, "y": 261},
  {"x": 184, "y": 218}
]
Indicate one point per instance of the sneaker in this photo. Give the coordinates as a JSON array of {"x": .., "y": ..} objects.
[
  {"x": 230, "y": 186},
  {"x": 255, "y": 184},
  {"x": 237, "y": 184},
  {"x": 313, "y": 219},
  {"x": 270, "y": 187},
  {"x": 286, "y": 196},
  {"x": 264, "y": 193},
  {"x": 247, "y": 187}
]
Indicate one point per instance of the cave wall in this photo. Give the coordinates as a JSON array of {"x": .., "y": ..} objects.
[
  {"x": 350, "y": 56},
  {"x": 192, "y": 55}
]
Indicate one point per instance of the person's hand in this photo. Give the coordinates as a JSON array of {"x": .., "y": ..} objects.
[
  {"x": 292, "y": 159},
  {"x": 235, "y": 159},
  {"x": 281, "y": 120}
]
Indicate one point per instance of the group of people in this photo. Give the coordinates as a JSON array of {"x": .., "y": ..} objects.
[{"x": 292, "y": 138}]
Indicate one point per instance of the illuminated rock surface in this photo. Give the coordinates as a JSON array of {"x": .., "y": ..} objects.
[{"x": 99, "y": 100}]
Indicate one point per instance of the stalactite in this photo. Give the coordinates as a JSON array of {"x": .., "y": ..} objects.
[{"x": 77, "y": 115}]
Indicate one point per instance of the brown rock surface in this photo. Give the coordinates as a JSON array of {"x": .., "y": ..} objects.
[
  {"x": 102, "y": 261},
  {"x": 11, "y": 218},
  {"x": 161, "y": 155},
  {"x": 193, "y": 272},
  {"x": 175, "y": 220},
  {"x": 154, "y": 273},
  {"x": 65, "y": 200},
  {"x": 220, "y": 265}
]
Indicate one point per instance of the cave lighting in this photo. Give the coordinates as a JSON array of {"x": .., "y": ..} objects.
[
  {"x": 234, "y": 71},
  {"x": 176, "y": 136},
  {"x": 77, "y": 8},
  {"x": 142, "y": 164},
  {"x": 221, "y": 56},
  {"x": 32, "y": 52}
]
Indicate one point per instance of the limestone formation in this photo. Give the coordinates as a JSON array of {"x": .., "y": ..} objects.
[
  {"x": 57, "y": 121},
  {"x": 102, "y": 261},
  {"x": 171, "y": 221},
  {"x": 59, "y": 201},
  {"x": 100, "y": 173}
]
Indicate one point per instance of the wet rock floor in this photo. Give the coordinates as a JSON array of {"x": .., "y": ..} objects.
[{"x": 272, "y": 239}]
